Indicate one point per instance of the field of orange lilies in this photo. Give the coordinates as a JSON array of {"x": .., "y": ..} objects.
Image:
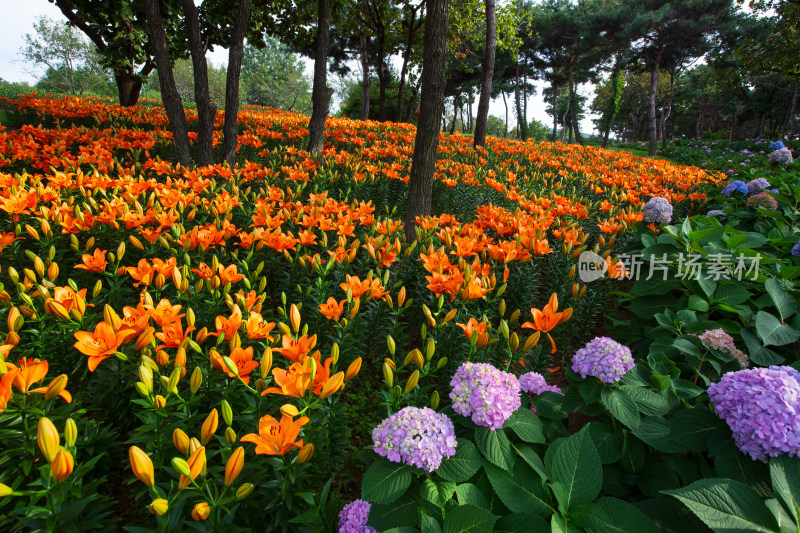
[{"x": 177, "y": 316}]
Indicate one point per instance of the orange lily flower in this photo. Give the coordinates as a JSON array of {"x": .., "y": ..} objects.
[
  {"x": 293, "y": 382},
  {"x": 71, "y": 299},
  {"x": 30, "y": 371},
  {"x": 472, "y": 326},
  {"x": 548, "y": 318},
  {"x": 229, "y": 326},
  {"x": 244, "y": 363},
  {"x": 7, "y": 238},
  {"x": 5, "y": 385},
  {"x": 143, "y": 273},
  {"x": 204, "y": 271},
  {"x": 101, "y": 344},
  {"x": 95, "y": 262},
  {"x": 229, "y": 274},
  {"x": 257, "y": 328},
  {"x": 165, "y": 313},
  {"x": 296, "y": 350},
  {"x": 276, "y": 438},
  {"x": 172, "y": 334},
  {"x": 332, "y": 310}
]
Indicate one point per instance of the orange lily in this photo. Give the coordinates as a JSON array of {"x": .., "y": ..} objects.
[
  {"x": 548, "y": 318},
  {"x": 103, "y": 343},
  {"x": 5, "y": 385},
  {"x": 296, "y": 350},
  {"x": 473, "y": 326},
  {"x": 276, "y": 438},
  {"x": 143, "y": 273},
  {"x": 95, "y": 262},
  {"x": 30, "y": 371},
  {"x": 229, "y": 326},
  {"x": 293, "y": 382},
  {"x": 257, "y": 328},
  {"x": 331, "y": 309},
  {"x": 244, "y": 363},
  {"x": 172, "y": 335}
]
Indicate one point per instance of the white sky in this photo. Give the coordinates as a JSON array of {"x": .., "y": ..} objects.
[{"x": 18, "y": 17}]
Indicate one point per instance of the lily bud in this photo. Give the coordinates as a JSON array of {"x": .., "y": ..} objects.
[
  {"x": 159, "y": 402},
  {"x": 305, "y": 453},
  {"x": 234, "y": 466},
  {"x": 390, "y": 344},
  {"x": 227, "y": 412},
  {"x": 173, "y": 380},
  {"x": 62, "y": 465},
  {"x": 434, "y": 400},
  {"x": 56, "y": 387},
  {"x": 70, "y": 433},
  {"x": 294, "y": 318},
  {"x": 146, "y": 378},
  {"x": 230, "y": 436},
  {"x": 388, "y": 375},
  {"x": 412, "y": 381},
  {"x": 201, "y": 511},
  {"x": 209, "y": 426},
  {"x": 141, "y": 465},
  {"x": 196, "y": 380},
  {"x": 332, "y": 385},
  {"x": 289, "y": 410},
  {"x": 181, "y": 441},
  {"x": 47, "y": 438},
  {"x": 352, "y": 370},
  {"x": 266, "y": 362},
  {"x": 244, "y": 490},
  {"x": 181, "y": 466},
  {"x": 159, "y": 506}
]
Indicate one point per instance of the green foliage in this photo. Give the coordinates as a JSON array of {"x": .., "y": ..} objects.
[{"x": 274, "y": 77}]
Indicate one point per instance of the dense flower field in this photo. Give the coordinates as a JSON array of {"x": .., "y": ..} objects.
[{"x": 165, "y": 319}]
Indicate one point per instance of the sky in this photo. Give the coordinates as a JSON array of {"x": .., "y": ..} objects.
[{"x": 18, "y": 17}]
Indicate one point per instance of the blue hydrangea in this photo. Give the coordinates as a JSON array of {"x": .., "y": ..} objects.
[
  {"x": 777, "y": 145},
  {"x": 781, "y": 157},
  {"x": 657, "y": 210},
  {"x": 416, "y": 437},
  {"x": 796, "y": 250},
  {"x": 757, "y": 185},
  {"x": 735, "y": 186},
  {"x": 488, "y": 395},
  {"x": 353, "y": 518},
  {"x": 762, "y": 408},
  {"x": 603, "y": 358}
]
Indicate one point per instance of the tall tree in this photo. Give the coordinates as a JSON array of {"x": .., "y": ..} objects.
[
  {"x": 119, "y": 31},
  {"x": 230, "y": 128},
  {"x": 321, "y": 93},
  {"x": 486, "y": 74},
  {"x": 426, "y": 142},
  {"x": 274, "y": 77}
]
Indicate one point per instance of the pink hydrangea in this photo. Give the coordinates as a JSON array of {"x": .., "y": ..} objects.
[{"x": 488, "y": 395}]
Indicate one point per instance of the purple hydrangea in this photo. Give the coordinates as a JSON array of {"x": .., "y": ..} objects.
[
  {"x": 781, "y": 157},
  {"x": 757, "y": 185},
  {"x": 764, "y": 200},
  {"x": 777, "y": 145},
  {"x": 657, "y": 210},
  {"x": 716, "y": 213},
  {"x": 604, "y": 358},
  {"x": 717, "y": 339},
  {"x": 416, "y": 437},
  {"x": 762, "y": 408},
  {"x": 353, "y": 518},
  {"x": 488, "y": 395},
  {"x": 535, "y": 383},
  {"x": 796, "y": 250},
  {"x": 735, "y": 186}
]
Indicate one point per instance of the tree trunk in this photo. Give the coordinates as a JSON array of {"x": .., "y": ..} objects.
[
  {"x": 521, "y": 125},
  {"x": 486, "y": 75},
  {"x": 665, "y": 116},
  {"x": 364, "y": 78},
  {"x": 555, "y": 112},
  {"x": 652, "y": 105},
  {"x": 790, "y": 123},
  {"x": 469, "y": 110},
  {"x": 321, "y": 93},
  {"x": 456, "y": 104},
  {"x": 505, "y": 124},
  {"x": 382, "y": 78},
  {"x": 411, "y": 102},
  {"x": 412, "y": 30},
  {"x": 206, "y": 109},
  {"x": 570, "y": 105},
  {"x": 423, "y": 162},
  {"x": 169, "y": 93},
  {"x": 235, "y": 57},
  {"x": 129, "y": 86},
  {"x": 761, "y": 126}
]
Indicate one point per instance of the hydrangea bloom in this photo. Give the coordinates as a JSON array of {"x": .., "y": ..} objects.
[
  {"x": 762, "y": 408},
  {"x": 657, "y": 210},
  {"x": 781, "y": 157},
  {"x": 488, "y": 395},
  {"x": 535, "y": 383},
  {"x": 777, "y": 145},
  {"x": 764, "y": 200},
  {"x": 604, "y": 358},
  {"x": 716, "y": 213},
  {"x": 416, "y": 437},
  {"x": 717, "y": 339},
  {"x": 796, "y": 249},
  {"x": 757, "y": 185},
  {"x": 353, "y": 518},
  {"x": 735, "y": 186}
]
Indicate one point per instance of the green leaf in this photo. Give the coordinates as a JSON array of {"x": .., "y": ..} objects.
[
  {"x": 655, "y": 432},
  {"x": 772, "y": 332},
  {"x": 385, "y": 481},
  {"x": 468, "y": 493},
  {"x": 730, "y": 294},
  {"x": 785, "y": 475},
  {"x": 647, "y": 401},
  {"x": 607, "y": 442},
  {"x": 697, "y": 303},
  {"x": 621, "y": 406},
  {"x": 462, "y": 465},
  {"x": 784, "y": 303},
  {"x": 469, "y": 519},
  {"x": 521, "y": 491},
  {"x": 624, "y": 517},
  {"x": 494, "y": 445},
  {"x": 532, "y": 458},
  {"x": 526, "y": 425},
  {"x": 438, "y": 493},
  {"x": 726, "y": 505},
  {"x": 429, "y": 524},
  {"x": 691, "y": 427},
  {"x": 400, "y": 513},
  {"x": 520, "y": 523},
  {"x": 576, "y": 465}
]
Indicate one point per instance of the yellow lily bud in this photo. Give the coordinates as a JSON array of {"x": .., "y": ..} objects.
[
  {"x": 332, "y": 385},
  {"x": 173, "y": 380},
  {"x": 390, "y": 344},
  {"x": 141, "y": 465},
  {"x": 62, "y": 465},
  {"x": 244, "y": 490},
  {"x": 387, "y": 374},
  {"x": 305, "y": 453},
  {"x": 181, "y": 441},
  {"x": 196, "y": 380},
  {"x": 56, "y": 387},
  {"x": 230, "y": 436},
  {"x": 289, "y": 410},
  {"x": 209, "y": 426},
  {"x": 227, "y": 412},
  {"x": 201, "y": 511},
  {"x": 234, "y": 466},
  {"x": 158, "y": 506},
  {"x": 412, "y": 381},
  {"x": 5, "y": 490},
  {"x": 352, "y": 370},
  {"x": 146, "y": 377},
  {"x": 266, "y": 362},
  {"x": 47, "y": 438},
  {"x": 294, "y": 318},
  {"x": 70, "y": 433},
  {"x": 159, "y": 402},
  {"x": 434, "y": 400},
  {"x": 181, "y": 466}
]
